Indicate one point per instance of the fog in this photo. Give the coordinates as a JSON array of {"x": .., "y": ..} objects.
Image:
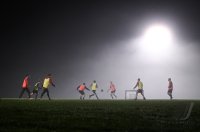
[
  {"x": 123, "y": 62},
  {"x": 84, "y": 41}
]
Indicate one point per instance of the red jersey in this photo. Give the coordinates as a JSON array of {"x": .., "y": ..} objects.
[
  {"x": 170, "y": 85},
  {"x": 25, "y": 82}
]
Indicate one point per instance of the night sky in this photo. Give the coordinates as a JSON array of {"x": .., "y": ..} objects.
[{"x": 84, "y": 40}]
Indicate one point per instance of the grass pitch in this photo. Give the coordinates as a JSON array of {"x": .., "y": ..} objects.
[{"x": 98, "y": 115}]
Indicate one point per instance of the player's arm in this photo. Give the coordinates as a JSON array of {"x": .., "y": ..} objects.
[
  {"x": 52, "y": 82},
  {"x": 87, "y": 88},
  {"x": 136, "y": 85},
  {"x": 38, "y": 84},
  {"x": 78, "y": 87}
]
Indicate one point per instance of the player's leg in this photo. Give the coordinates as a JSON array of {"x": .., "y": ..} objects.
[
  {"x": 32, "y": 93},
  {"x": 96, "y": 94},
  {"x": 142, "y": 93},
  {"x": 80, "y": 95},
  {"x": 43, "y": 92},
  {"x": 170, "y": 94},
  {"x": 22, "y": 92},
  {"x": 29, "y": 93},
  {"x": 36, "y": 94},
  {"x": 92, "y": 94},
  {"x": 83, "y": 93},
  {"x": 48, "y": 94},
  {"x": 114, "y": 94},
  {"x": 111, "y": 95}
]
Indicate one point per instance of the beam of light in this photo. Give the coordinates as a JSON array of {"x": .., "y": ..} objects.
[{"x": 156, "y": 40}]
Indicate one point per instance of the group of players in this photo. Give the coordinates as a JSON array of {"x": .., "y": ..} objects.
[
  {"x": 94, "y": 87},
  {"x": 112, "y": 89},
  {"x": 44, "y": 84},
  {"x": 47, "y": 81}
]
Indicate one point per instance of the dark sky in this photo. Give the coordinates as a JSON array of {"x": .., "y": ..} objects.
[{"x": 69, "y": 38}]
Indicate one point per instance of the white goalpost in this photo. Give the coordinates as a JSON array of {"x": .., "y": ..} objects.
[{"x": 130, "y": 94}]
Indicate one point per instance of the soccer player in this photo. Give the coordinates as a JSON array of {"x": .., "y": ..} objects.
[
  {"x": 170, "y": 88},
  {"x": 47, "y": 82},
  {"x": 140, "y": 90},
  {"x": 81, "y": 89},
  {"x": 25, "y": 86},
  {"x": 36, "y": 89},
  {"x": 94, "y": 87},
  {"x": 112, "y": 90}
]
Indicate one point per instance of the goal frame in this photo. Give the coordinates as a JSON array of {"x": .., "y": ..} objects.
[{"x": 126, "y": 91}]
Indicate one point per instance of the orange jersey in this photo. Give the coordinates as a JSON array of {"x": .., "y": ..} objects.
[
  {"x": 112, "y": 87},
  {"x": 25, "y": 83},
  {"x": 82, "y": 88}
]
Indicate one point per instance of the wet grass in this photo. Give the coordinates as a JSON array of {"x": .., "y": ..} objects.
[{"x": 93, "y": 115}]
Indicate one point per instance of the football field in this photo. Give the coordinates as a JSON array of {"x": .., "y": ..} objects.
[{"x": 99, "y": 115}]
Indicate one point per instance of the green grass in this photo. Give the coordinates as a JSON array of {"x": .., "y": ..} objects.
[{"x": 93, "y": 115}]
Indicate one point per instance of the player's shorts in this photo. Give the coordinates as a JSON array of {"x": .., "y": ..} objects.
[
  {"x": 169, "y": 91},
  {"x": 140, "y": 91},
  {"x": 81, "y": 92},
  {"x": 35, "y": 91},
  {"x": 94, "y": 91},
  {"x": 113, "y": 91}
]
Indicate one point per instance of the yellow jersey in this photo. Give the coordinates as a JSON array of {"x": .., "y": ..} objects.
[
  {"x": 46, "y": 83},
  {"x": 140, "y": 85},
  {"x": 94, "y": 86}
]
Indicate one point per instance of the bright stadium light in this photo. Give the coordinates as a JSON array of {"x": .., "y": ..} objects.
[{"x": 157, "y": 39}]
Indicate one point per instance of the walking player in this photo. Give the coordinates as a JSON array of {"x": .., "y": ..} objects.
[
  {"x": 81, "y": 89},
  {"x": 46, "y": 84},
  {"x": 140, "y": 90},
  {"x": 94, "y": 87},
  {"x": 112, "y": 90},
  {"x": 25, "y": 86},
  {"x": 170, "y": 88}
]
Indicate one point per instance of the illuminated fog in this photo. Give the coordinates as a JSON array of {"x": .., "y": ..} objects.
[{"x": 124, "y": 62}]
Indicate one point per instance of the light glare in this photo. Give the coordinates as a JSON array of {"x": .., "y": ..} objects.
[{"x": 156, "y": 40}]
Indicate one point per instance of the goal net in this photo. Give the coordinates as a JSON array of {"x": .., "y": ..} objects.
[{"x": 130, "y": 94}]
